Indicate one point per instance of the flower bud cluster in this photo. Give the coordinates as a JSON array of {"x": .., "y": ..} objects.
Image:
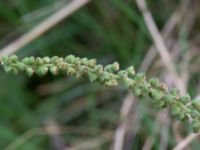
[{"x": 158, "y": 93}]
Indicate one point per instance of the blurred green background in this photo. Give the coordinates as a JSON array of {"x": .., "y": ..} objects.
[{"x": 31, "y": 109}]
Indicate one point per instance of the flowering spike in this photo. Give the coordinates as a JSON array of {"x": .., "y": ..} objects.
[{"x": 110, "y": 76}]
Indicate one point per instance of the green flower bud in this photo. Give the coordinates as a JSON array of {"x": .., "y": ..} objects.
[
  {"x": 145, "y": 86},
  {"x": 71, "y": 71},
  {"x": 196, "y": 103},
  {"x": 185, "y": 99},
  {"x": 137, "y": 91},
  {"x": 54, "y": 70},
  {"x": 82, "y": 69},
  {"x": 108, "y": 68},
  {"x": 70, "y": 59},
  {"x": 129, "y": 83},
  {"x": 20, "y": 66},
  {"x": 131, "y": 71},
  {"x": 123, "y": 74},
  {"x": 98, "y": 69},
  {"x": 84, "y": 61},
  {"x": 92, "y": 62},
  {"x": 169, "y": 99},
  {"x": 196, "y": 125},
  {"x": 157, "y": 95},
  {"x": 39, "y": 61},
  {"x": 158, "y": 104},
  {"x": 63, "y": 66},
  {"x": 154, "y": 82},
  {"x": 29, "y": 71},
  {"x": 60, "y": 59},
  {"x": 195, "y": 113},
  {"x": 105, "y": 76},
  {"x": 112, "y": 67},
  {"x": 26, "y": 61},
  {"x": 175, "y": 110},
  {"x": 32, "y": 60},
  {"x": 140, "y": 77},
  {"x": 115, "y": 66},
  {"x": 111, "y": 83},
  {"x": 92, "y": 76},
  {"x": 5, "y": 60},
  {"x": 174, "y": 92},
  {"x": 181, "y": 116},
  {"x": 7, "y": 68},
  {"x": 46, "y": 60},
  {"x": 13, "y": 58},
  {"x": 54, "y": 59},
  {"x": 41, "y": 71}
]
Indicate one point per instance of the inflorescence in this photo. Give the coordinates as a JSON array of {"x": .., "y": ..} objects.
[{"x": 157, "y": 93}]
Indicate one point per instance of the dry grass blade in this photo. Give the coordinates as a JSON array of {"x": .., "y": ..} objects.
[
  {"x": 43, "y": 27},
  {"x": 161, "y": 47},
  {"x": 185, "y": 142}
]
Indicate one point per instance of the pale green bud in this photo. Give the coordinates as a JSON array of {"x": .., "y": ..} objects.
[
  {"x": 154, "y": 82},
  {"x": 84, "y": 61},
  {"x": 196, "y": 103},
  {"x": 26, "y": 61},
  {"x": 185, "y": 99},
  {"x": 140, "y": 77},
  {"x": 115, "y": 66},
  {"x": 39, "y": 61},
  {"x": 31, "y": 60},
  {"x": 131, "y": 71},
  {"x": 123, "y": 74},
  {"x": 92, "y": 62},
  {"x": 71, "y": 70},
  {"x": 145, "y": 86},
  {"x": 157, "y": 95},
  {"x": 158, "y": 104},
  {"x": 92, "y": 76},
  {"x": 13, "y": 58},
  {"x": 129, "y": 83},
  {"x": 41, "y": 71},
  {"x": 54, "y": 59},
  {"x": 169, "y": 99},
  {"x": 7, "y": 68},
  {"x": 105, "y": 76},
  {"x": 20, "y": 66},
  {"x": 5, "y": 60},
  {"x": 175, "y": 110},
  {"x": 70, "y": 59},
  {"x": 98, "y": 68},
  {"x": 108, "y": 68},
  {"x": 29, "y": 71},
  {"x": 46, "y": 60},
  {"x": 111, "y": 83},
  {"x": 181, "y": 116},
  {"x": 137, "y": 91},
  {"x": 112, "y": 67},
  {"x": 196, "y": 125},
  {"x": 195, "y": 113},
  {"x": 54, "y": 70},
  {"x": 174, "y": 92}
]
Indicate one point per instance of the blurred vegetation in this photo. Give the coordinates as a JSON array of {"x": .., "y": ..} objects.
[{"x": 109, "y": 31}]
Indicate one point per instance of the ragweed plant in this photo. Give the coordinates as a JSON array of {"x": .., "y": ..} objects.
[{"x": 153, "y": 90}]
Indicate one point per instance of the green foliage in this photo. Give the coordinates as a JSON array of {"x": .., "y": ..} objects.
[{"x": 110, "y": 75}]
